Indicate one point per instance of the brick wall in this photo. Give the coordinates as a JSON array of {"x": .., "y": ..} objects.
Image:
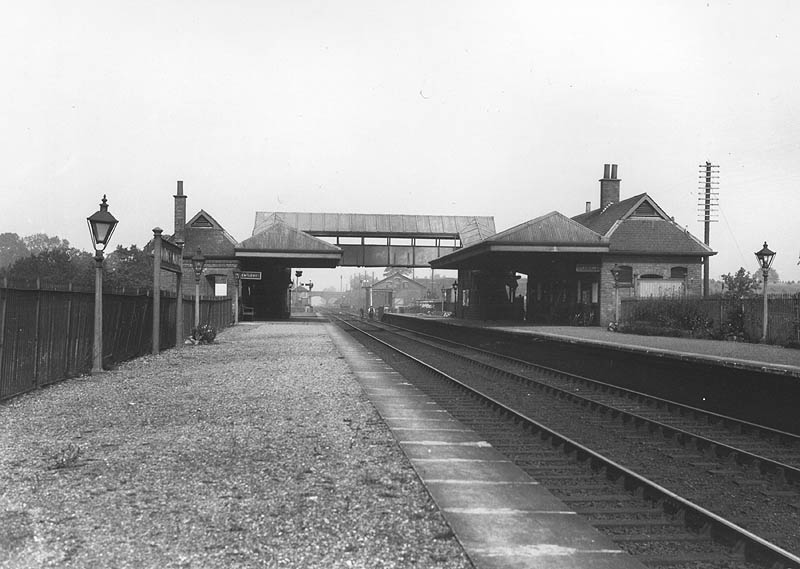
[{"x": 645, "y": 266}]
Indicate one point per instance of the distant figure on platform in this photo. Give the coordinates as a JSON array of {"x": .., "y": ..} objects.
[
  {"x": 361, "y": 310},
  {"x": 371, "y": 313}
]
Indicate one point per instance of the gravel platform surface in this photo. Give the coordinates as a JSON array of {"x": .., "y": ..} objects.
[{"x": 257, "y": 451}]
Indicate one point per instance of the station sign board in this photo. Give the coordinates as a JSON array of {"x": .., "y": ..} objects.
[{"x": 251, "y": 275}]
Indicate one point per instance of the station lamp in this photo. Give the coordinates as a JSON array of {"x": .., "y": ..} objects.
[
  {"x": 616, "y": 272},
  {"x": 198, "y": 262},
  {"x": 455, "y": 297},
  {"x": 101, "y": 226},
  {"x": 765, "y": 258}
]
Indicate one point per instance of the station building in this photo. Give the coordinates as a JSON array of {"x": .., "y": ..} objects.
[
  {"x": 578, "y": 268},
  {"x": 397, "y": 291}
]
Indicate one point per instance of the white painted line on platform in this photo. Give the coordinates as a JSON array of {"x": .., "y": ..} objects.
[
  {"x": 506, "y": 511},
  {"x": 481, "y": 482},
  {"x": 538, "y": 550},
  {"x": 481, "y": 444},
  {"x": 433, "y": 429},
  {"x": 493, "y": 461}
]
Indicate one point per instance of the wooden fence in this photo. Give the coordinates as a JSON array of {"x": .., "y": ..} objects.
[
  {"x": 47, "y": 335},
  {"x": 783, "y": 326}
]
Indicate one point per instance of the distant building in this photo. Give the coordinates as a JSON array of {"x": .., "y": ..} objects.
[{"x": 397, "y": 290}]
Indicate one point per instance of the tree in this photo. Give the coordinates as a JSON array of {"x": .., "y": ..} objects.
[
  {"x": 772, "y": 278},
  {"x": 129, "y": 267},
  {"x": 740, "y": 284},
  {"x": 61, "y": 266},
  {"x": 39, "y": 242},
  {"x": 11, "y": 249}
]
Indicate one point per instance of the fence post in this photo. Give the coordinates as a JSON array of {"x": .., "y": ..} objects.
[
  {"x": 68, "y": 350},
  {"x": 157, "y": 290},
  {"x": 3, "y": 312},
  {"x": 37, "y": 334},
  {"x": 179, "y": 309},
  {"x": 3, "y": 302}
]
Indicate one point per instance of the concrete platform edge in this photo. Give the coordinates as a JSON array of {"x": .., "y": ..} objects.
[{"x": 500, "y": 516}]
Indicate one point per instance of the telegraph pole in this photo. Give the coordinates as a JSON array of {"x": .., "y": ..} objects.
[{"x": 708, "y": 207}]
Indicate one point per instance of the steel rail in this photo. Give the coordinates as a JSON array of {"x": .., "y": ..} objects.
[
  {"x": 769, "y": 431},
  {"x": 766, "y": 465},
  {"x": 755, "y": 547}
]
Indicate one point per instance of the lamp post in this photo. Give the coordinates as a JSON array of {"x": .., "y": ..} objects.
[
  {"x": 101, "y": 226},
  {"x": 615, "y": 272},
  {"x": 444, "y": 291},
  {"x": 198, "y": 262},
  {"x": 455, "y": 298},
  {"x": 765, "y": 258},
  {"x": 365, "y": 284},
  {"x": 297, "y": 275},
  {"x": 310, "y": 286},
  {"x": 237, "y": 278},
  {"x": 179, "y": 297}
]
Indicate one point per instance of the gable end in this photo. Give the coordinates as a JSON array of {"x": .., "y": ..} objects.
[
  {"x": 201, "y": 221},
  {"x": 645, "y": 209}
]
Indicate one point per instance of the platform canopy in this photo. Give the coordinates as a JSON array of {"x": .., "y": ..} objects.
[
  {"x": 553, "y": 233},
  {"x": 280, "y": 241}
]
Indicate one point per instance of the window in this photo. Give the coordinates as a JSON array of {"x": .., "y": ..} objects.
[
  {"x": 625, "y": 275},
  {"x": 678, "y": 272}
]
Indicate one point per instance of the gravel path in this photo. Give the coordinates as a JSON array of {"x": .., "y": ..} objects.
[{"x": 257, "y": 451}]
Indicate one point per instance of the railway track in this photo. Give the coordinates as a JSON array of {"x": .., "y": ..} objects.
[{"x": 622, "y": 478}]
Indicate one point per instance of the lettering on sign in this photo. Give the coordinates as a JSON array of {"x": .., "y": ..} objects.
[
  {"x": 251, "y": 276},
  {"x": 587, "y": 268}
]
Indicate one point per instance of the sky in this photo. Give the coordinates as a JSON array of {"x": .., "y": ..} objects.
[{"x": 456, "y": 107}]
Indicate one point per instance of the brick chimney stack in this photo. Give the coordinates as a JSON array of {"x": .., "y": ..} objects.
[
  {"x": 180, "y": 215},
  {"x": 609, "y": 186}
]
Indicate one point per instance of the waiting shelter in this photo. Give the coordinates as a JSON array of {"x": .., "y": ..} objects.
[{"x": 579, "y": 268}]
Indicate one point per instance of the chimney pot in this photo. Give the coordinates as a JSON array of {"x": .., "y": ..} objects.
[
  {"x": 588, "y": 207},
  {"x": 609, "y": 186}
]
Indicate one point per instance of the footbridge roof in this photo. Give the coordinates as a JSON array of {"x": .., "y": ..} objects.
[{"x": 468, "y": 229}]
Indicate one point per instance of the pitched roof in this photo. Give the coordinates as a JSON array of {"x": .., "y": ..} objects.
[
  {"x": 655, "y": 236},
  {"x": 392, "y": 276},
  {"x": 552, "y": 228},
  {"x": 639, "y": 225},
  {"x": 602, "y": 220},
  {"x": 205, "y": 232},
  {"x": 279, "y": 236},
  {"x": 550, "y": 233}
]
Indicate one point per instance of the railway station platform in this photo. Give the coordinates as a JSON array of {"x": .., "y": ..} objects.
[
  {"x": 739, "y": 355},
  {"x": 502, "y": 517}
]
